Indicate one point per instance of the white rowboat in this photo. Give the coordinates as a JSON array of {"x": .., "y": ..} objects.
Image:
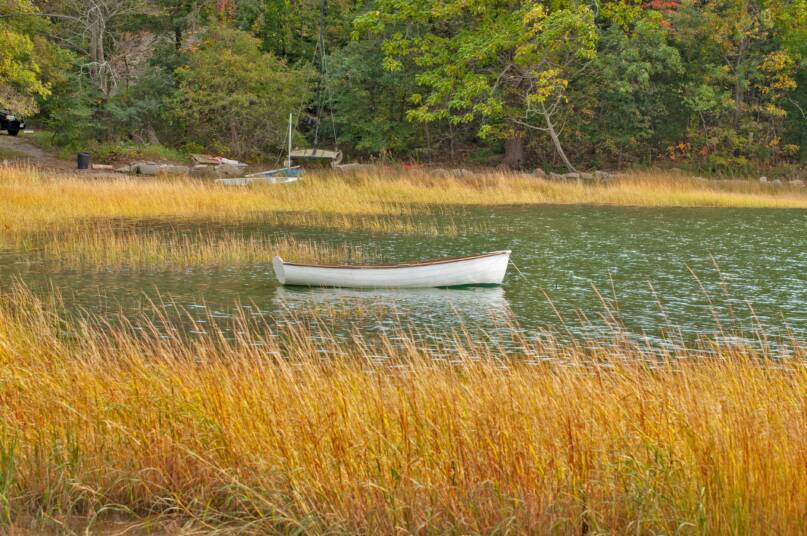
[
  {"x": 484, "y": 269},
  {"x": 246, "y": 181}
]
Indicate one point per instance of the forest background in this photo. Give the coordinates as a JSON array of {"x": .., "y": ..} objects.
[{"x": 717, "y": 86}]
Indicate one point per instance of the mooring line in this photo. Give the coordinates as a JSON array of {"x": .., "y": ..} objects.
[{"x": 517, "y": 270}]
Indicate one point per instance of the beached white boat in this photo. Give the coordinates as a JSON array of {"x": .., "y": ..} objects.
[
  {"x": 484, "y": 269},
  {"x": 250, "y": 179}
]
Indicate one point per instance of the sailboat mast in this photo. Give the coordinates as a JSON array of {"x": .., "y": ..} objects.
[
  {"x": 321, "y": 69},
  {"x": 288, "y": 162}
]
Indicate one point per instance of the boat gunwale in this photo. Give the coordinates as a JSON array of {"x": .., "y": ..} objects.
[{"x": 408, "y": 264}]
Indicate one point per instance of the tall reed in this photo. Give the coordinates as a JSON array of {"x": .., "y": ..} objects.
[
  {"x": 263, "y": 428},
  {"x": 31, "y": 199},
  {"x": 165, "y": 249}
]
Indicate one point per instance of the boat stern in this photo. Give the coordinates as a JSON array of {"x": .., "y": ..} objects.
[{"x": 280, "y": 273}]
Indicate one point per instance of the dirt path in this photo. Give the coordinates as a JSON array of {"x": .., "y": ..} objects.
[{"x": 19, "y": 149}]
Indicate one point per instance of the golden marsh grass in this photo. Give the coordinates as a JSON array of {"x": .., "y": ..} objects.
[
  {"x": 386, "y": 201},
  {"x": 265, "y": 432},
  {"x": 99, "y": 248}
]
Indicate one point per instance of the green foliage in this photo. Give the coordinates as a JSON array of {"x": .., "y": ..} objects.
[
  {"x": 19, "y": 73},
  {"x": 126, "y": 151},
  {"x": 268, "y": 20},
  {"x": 625, "y": 94},
  {"x": 501, "y": 67},
  {"x": 370, "y": 102},
  {"x": 291, "y": 29},
  {"x": 29, "y": 64},
  {"x": 738, "y": 80},
  {"x": 794, "y": 137},
  {"x": 489, "y": 63},
  {"x": 10, "y": 154},
  {"x": 106, "y": 151},
  {"x": 234, "y": 98},
  {"x": 140, "y": 111},
  {"x": 69, "y": 114},
  {"x": 715, "y": 85}
]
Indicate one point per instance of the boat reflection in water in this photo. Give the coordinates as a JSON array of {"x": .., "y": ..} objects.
[{"x": 434, "y": 315}]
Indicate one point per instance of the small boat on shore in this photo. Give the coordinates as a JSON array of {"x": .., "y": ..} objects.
[
  {"x": 483, "y": 269},
  {"x": 273, "y": 176},
  {"x": 284, "y": 175}
]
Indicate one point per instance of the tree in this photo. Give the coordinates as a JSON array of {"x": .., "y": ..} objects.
[
  {"x": 790, "y": 25},
  {"x": 370, "y": 102},
  {"x": 91, "y": 29},
  {"x": 501, "y": 66},
  {"x": 626, "y": 101},
  {"x": 560, "y": 49},
  {"x": 739, "y": 79},
  {"x": 232, "y": 97},
  {"x": 22, "y": 79},
  {"x": 291, "y": 28}
]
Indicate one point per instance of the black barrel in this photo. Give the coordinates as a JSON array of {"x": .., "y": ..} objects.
[{"x": 84, "y": 160}]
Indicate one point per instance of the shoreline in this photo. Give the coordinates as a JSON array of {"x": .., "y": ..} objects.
[{"x": 33, "y": 199}]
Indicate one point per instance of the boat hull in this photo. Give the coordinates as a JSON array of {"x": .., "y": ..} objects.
[
  {"x": 294, "y": 171},
  {"x": 246, "y": 181},
  {"x": 487, "y": 269}
]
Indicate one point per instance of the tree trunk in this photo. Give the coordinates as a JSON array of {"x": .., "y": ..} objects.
[
  {"x": 739, "y": 76},
  {"x": 556, "y": 141},
  {"x": 152, "y": 135},
  {"x": 98, "y": 69},
  {"x": 451, "y": 141},
  {"x": 513, "y": 151}
]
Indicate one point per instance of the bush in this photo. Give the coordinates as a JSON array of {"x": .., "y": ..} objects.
[{"x": 235, "y": 99}]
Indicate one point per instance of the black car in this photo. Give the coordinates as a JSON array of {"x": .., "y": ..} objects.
[{"x": 10, "y": 122}]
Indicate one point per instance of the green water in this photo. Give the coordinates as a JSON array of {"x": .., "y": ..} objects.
[{"x": 698, "y": 271}]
